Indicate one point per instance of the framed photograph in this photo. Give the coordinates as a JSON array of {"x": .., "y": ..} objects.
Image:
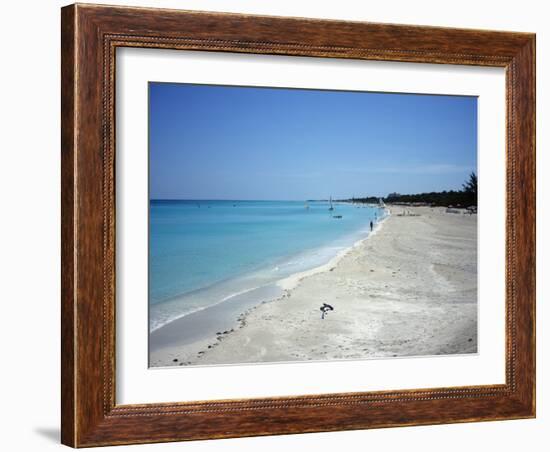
[{"x": 281, "y": 225}]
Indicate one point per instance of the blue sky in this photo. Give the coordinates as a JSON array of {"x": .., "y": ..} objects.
[{"x": 220, "y": 142}]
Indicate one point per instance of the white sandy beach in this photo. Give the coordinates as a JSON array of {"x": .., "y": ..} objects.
[{"x": 409, "y": 289}]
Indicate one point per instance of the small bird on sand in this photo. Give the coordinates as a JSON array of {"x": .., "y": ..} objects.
[{"x": 325, "y": 309}]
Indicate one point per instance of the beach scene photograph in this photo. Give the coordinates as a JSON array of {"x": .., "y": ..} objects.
[{"x": 294, "y": 225}]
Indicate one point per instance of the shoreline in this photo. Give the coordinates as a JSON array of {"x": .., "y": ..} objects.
[
  {"x": 376, "y": 312},
  {"x": 166, "y": 344},
  {"x": 234, "y": 287},
  {"x": 290, "y": 282}
]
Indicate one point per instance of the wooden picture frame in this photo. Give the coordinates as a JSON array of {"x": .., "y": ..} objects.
[{"x": 90, "y": 36}]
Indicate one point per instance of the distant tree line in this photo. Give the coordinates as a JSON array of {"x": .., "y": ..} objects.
[
  {"x": 460, "y": 198},
  {"x": 367, "y": 200}
]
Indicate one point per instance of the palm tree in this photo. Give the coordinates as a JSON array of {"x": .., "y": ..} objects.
[{"x": 470, "y": 188}]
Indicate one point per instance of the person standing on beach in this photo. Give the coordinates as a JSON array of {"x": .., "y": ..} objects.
[{"x": 371, "y": 226}]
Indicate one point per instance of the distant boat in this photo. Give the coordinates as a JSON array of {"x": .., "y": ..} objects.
[
  {"x": 337, "y": 216},
  {"x": 306, "y": 205},
  {"x": 331, "y": 207}
]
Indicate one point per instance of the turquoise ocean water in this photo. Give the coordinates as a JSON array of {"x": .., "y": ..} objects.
[{"x": 204, "y": 253}]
